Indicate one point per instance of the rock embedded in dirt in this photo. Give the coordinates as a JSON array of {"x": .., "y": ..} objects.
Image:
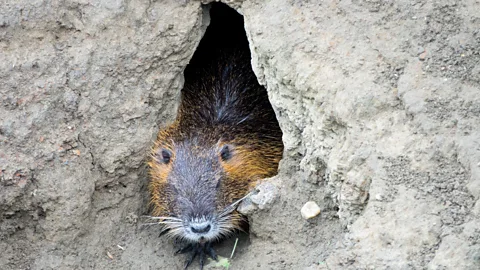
[
  {"x": 263, "y": 196},
  {"x": 422, "y": 56},
  {"x": 310, "y": 210}
]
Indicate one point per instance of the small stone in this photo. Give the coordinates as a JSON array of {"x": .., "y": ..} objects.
[
  {"x": 379, "y": 197},
  {"x": 420, "y": 50},
  {"x": 264, "y": 195},
  {"x": 109, "y": 255},
  {"x": 310, "y": 210},
  {"x": 246, "y": 207},
  {"x": 422, "y": 56}
]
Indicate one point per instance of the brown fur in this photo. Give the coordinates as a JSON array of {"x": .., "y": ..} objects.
[{"x": 257, "y": 141}]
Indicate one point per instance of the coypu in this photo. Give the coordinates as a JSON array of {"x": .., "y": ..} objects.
[{"x": 225, "y": 138}]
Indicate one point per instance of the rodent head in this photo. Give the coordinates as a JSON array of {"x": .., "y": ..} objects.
[{"x": 197, "y": 182}]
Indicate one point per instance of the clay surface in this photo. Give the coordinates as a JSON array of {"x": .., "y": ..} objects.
[{"x": 379, "y": 102}]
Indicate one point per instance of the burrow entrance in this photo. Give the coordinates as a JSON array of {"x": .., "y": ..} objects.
[{"x": 226, "y": 35}]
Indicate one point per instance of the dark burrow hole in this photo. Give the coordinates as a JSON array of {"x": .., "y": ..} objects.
[{"x": 225, "y": 35}]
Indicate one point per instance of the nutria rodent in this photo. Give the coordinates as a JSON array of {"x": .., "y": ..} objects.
[{"x": 225, "y": 138}]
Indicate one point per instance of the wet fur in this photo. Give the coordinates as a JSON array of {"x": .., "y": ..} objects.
[{"x": 222, "y": 103}]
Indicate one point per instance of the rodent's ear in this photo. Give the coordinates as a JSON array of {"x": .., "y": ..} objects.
[
  {"x": 164, "y": 156},
  {"x": 226, "y": 152}
]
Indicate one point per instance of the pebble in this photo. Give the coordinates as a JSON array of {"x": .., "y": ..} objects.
[
  {"x": 422, "y": 56},
  {"x": 310, "y": 210},
  {"x": 420, "y": 50},
  {"x": 246, "y": 207}
]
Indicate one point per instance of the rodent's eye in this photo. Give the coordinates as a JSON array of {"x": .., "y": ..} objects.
[
  {"x": 226, "y": 152},
  {"x": 165, "y": 156}
]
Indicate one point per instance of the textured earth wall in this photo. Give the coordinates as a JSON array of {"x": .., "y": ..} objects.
[{"x": 379, "y": 102}]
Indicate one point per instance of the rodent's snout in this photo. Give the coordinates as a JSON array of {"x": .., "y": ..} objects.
[{"x": 201, "y": 228}]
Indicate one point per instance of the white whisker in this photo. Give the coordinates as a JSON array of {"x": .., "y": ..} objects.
[
  {"x": 148, "y": 224},
  {"x": 169, "y": 222},
  {"x": 165, "y": 218}
]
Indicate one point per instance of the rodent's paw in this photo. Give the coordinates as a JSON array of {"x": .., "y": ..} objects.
[{"x": 201, "y": 249}]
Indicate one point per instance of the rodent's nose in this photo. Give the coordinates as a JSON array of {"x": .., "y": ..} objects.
[{"x": 200, "y": 229}]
